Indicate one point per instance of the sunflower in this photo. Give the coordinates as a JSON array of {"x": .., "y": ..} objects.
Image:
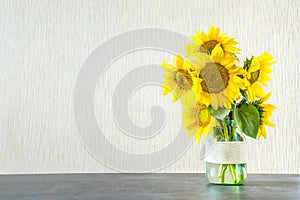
[
  {"x": 265, "y": 112},
  {"x": 206, "y": 43},
  {"x": 178, "y": 78},
  {"x": 219, "y": 83},
  {"x": 196, "y": 117},
  {"x": 258, "y": 71}
]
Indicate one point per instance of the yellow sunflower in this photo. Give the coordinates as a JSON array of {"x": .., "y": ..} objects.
[
  {"x": 258, "y": 75},
  {"x": 218, "y": 84},
  {"x": 265, "y": 112},
  {"x": 177, "y": 78},
  {"x": 196, "y": 117},
  {"x": 206, "y": 43}
]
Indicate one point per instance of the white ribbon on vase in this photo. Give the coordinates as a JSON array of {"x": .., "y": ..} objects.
[{"x": 230, "y": 152}]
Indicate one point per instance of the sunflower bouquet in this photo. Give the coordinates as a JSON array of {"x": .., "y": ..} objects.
[{"x": 218, "y": 94}]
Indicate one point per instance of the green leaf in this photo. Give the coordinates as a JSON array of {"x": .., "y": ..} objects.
[
  {"x": 220, "y": 113},
  {"x": 247, "y": 119}
]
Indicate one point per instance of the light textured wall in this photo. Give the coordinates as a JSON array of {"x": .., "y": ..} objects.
[{"x": 45, "y": 43}]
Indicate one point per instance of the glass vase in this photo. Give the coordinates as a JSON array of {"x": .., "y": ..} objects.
[{"x": 226, "y": 162}]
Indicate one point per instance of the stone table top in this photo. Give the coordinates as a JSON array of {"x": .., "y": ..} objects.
[{"x": 144, "y": 186}]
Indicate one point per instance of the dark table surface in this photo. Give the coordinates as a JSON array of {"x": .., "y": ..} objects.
[{"x": 144, "y": 186}]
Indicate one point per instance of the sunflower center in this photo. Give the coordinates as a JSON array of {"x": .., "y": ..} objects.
[
  {"x": 202, "y": 115},
  {"x": 183, "y": 79},
  {"x": 208, "y": 46},
  {"x": 254, "y": 77},
  {"x": 215, "y": 78}
]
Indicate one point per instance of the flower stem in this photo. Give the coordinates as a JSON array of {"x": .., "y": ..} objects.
[
  {"x": 232, "y": 172},
  {"x": 221, "y": 174},
  {"x": 241, "y": 172}
]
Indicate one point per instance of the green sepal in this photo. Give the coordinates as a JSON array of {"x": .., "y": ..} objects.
[
  {"x": 220, "y": 113},
  {"x": 247, "y": 63}
]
